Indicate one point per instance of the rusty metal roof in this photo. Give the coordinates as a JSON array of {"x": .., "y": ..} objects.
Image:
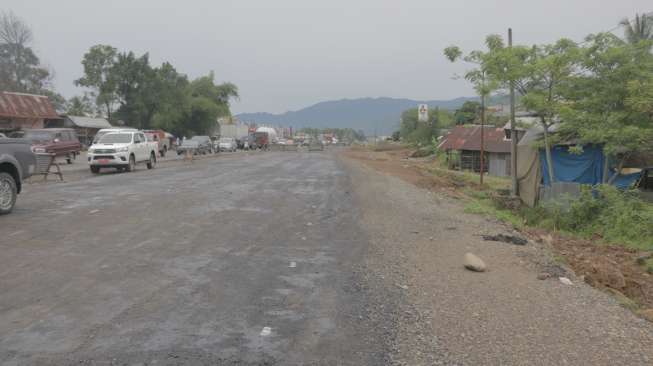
[
  {"x": 469, "y": 138},
  {"x": 19, "y": 105}
]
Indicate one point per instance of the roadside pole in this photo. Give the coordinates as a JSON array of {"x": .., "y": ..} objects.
[
  {"x": 513, "y": 132},
  {"x": 482, "y": 133}
]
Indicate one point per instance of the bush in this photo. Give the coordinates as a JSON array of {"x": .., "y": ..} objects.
[{"x": 616, "y": 216}]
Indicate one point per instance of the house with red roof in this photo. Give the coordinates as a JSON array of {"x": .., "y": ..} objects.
[
  {"x": 19, "y": 111},
  {"x": 463, "y": 147}
]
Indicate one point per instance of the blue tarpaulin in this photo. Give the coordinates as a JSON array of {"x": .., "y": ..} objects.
[
  {"x": 624, "y": 181},
  {"x": 584, "y": 168}
]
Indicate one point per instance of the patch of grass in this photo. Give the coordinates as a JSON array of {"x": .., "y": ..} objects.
[
  {"x": 615, "y": 216},
  {"x": 481, "y": 203},
  {"x": 468, "y": 178},
  {"x": 604, "y": 212}
]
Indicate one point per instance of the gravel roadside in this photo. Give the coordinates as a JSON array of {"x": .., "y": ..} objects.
[{"x": 507, "y": 316}]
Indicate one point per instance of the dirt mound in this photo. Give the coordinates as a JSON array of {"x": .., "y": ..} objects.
[{"x": 604, "y": 266}]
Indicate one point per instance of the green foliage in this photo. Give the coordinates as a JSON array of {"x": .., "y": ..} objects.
[
  {"x": 616, "y": 216},
  {"x": 154, "y": 97},
  {"x": 79, "y": 106},
  {"x": 421, "y": 133},
  {"x": 609, "y": 102},
  {"x": 598, "y": 93},
  {"x": 468, "y": 113},
  {"x": 99, "y": 63},
  {"x": 479, "y": 76}
]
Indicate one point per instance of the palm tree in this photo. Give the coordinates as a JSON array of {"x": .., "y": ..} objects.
[{"x": 640, "y": 29}]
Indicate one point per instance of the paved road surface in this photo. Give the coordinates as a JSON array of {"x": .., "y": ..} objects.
[{"x": 248, "y": 259}]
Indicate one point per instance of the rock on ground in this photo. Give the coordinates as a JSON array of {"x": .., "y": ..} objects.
[{"x": 474, "y": 263}]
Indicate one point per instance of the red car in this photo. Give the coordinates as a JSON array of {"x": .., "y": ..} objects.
[{"x": 58, "y": 141}]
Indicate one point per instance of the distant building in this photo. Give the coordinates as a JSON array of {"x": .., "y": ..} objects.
[
  {"x": 86, "y": 127},
  {"x": 463, "y": 147},
  {"x": 19, "y": 111}
]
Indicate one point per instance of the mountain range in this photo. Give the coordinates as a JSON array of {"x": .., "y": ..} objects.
[{"x": 372, "y": 115}]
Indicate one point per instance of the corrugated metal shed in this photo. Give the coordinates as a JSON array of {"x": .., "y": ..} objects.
[
  {"x": 469, "y": 138},
  {"x": 29, "y": 106},
  {"x": 89, "y": 122}
]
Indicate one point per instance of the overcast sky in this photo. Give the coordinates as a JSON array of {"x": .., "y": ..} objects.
[{"x": 288, "y": 54}]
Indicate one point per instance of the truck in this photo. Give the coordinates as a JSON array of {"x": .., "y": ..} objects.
[
  {"x": 272, "y": 134},
  {"x": 160, "y": 137},
  {"x": 17, "y": 162},
  {"x": 235, "y": 131},
  {"x": 122, "y": 150},
  {"x": 260, "y": 140},
  {"x": 57, "y": 141}
]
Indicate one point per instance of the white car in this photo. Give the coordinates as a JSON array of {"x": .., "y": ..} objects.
[
  {"x": 227, "y": 144},
  {"x": 104, "y": 131},
  {"x": 122, "y": 150}
]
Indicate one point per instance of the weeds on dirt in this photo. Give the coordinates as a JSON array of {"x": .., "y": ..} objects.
[
  {"x": 603, "y": 212},
  {"x": 600, "y": 213},
  {"x": 387, "y": 146}
]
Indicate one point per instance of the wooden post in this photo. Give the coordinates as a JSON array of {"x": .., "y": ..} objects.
[
  {"x": 513, "y": 132},
  {"x": 482, "y": 137}
]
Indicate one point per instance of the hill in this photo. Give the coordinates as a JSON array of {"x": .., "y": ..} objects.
[{"x": 380, "y": 115}]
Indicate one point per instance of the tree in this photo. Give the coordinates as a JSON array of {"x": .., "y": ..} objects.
[
  {"x": 58, "y": 101},
  {"x": 550, "y": 69},
  {"x": 469, "y": 112},
  {"x": 99, "y": 63},
  {"x": 147, "y": 96},
  {"x": 20, "y": 68},
  {"x": 413, "y": 131},
  {"x": 640, "y": 29},
  {"x": 134, "y": 88},
  {"x": 209, "y": 102},
  {"x": 610, "y": 98},
  {"x": 542, "y": 75},
  {"x": 174, "y": 106},
  {"x": 79, "y": 106},
  {"x": 480, "y": 76}
]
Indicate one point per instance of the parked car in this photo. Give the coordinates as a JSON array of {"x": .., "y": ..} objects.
[
  {"x": 17, "y": 162},
  {"x": 58, "y": 141},
  {"x": 227, "y": 144},
  {"x": 3, "y": 136},
  {"x": 160, "y": 137},
  {"x": 122, "y": 150},
  {"x": 197, "y": 144}
]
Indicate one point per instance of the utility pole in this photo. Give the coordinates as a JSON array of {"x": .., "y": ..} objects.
[
  {"x": 482, "y": 135},
  {"x": 513, "y": 131}
]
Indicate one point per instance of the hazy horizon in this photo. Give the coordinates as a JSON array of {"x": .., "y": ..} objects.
[{"x": 289, "y": 54}]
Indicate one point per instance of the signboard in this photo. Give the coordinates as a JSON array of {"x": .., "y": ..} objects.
[{"x": 423, "y": 113}]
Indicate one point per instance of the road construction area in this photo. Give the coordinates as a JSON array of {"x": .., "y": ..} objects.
[{"x": 284, "y": 258}]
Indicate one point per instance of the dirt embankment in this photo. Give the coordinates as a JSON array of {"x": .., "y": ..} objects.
[{"x": 615, "y": 269}]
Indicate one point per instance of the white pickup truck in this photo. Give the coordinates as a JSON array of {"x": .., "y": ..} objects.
[{"x": 122, "y": 150}]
